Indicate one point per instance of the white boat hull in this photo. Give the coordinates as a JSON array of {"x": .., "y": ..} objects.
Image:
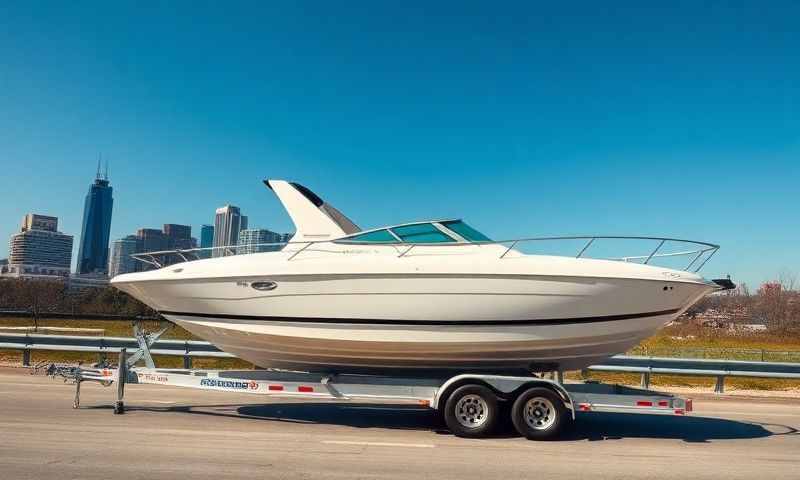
[
  {"x": 423, "y": 324},
  {"x": 421, "y": 350}
]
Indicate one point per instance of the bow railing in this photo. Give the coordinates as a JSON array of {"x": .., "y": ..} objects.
[{"x": 696, "y": 253}]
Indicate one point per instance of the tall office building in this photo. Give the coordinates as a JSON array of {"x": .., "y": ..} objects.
[
  {"x": 250, "y": 239},
  {"x": 39, "y": 248},
  {"x": 152, "y": 240},
  {"x": 93, "y": 251},
  {"x": 227, "y": 225},
  {"x": 120, "y": 260},
  {"x": 206, "y": 240},
  {"x": 179, "y": 236}
]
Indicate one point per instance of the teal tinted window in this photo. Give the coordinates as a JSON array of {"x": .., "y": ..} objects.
[
  {"x": 466, "y": 231},
  {"x": 421, "y": 233},
  {"x": 378, "y": 236}
]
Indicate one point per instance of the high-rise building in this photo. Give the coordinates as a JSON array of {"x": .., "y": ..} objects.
[
  {"x": 179, "y": 236},
  {"x": 93, "y": 251},
  {"x": 39, "y": 248},
  {"x": 120, "y": 260},
  {"x": 206, "y": 240},
  {"x": 251, "y": 240},
  {"x": 152, "y": 240},
  {"x": 227, "y": 225}
]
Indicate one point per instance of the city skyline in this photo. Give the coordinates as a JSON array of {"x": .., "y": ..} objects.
[
  {"x": 36, "y": 249},
  {"x": 524, "y": 121}
]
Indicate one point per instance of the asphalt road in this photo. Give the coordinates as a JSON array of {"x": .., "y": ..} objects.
[{"x": 178, "y": 433}]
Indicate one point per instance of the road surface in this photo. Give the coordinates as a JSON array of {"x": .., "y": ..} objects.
[{"x": 179, "y": 433}]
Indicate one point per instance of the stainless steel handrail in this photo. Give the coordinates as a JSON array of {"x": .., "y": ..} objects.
[{"x": 705, "y": 250}]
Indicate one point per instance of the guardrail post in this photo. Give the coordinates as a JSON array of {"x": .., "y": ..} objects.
[
  {"x": 26, "y": 357},
  {"x": 119, "y": 406},
  {"x": 645, "y": 380},
  {"x": 187, "y": 360},
  {"x": 720, "y": 386}
]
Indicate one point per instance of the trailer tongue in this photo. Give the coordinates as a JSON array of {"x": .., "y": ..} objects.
[{"x": 469, "y": 403}]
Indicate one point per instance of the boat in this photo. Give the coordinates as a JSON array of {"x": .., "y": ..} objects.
[{"x": 424, "y": 298}]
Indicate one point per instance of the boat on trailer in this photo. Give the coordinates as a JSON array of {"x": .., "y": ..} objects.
[{"x": 424, "y": 299}]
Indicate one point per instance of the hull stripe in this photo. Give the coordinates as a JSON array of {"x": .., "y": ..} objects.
[{"x": 367, "y": 321}]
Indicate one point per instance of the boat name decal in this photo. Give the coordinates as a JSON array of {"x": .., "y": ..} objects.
[
  {"x": 154, "y": 378},
  {"x": 219, "y": 383}
]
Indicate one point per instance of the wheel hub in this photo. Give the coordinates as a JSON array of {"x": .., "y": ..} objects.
[
  {"x": 540, "y": 413},
  {"x": 471, "y": 411}
]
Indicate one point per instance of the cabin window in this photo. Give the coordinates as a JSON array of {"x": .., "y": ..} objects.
[
  {"x": 421, "y": 233},
  {"x": 378, "y": 236},
  {"x": 466, "y": 231}
]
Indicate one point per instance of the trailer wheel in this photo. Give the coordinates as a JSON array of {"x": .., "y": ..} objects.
[
  {"x": 471, "y": 411},
  {"x": 539, "y": 414}
]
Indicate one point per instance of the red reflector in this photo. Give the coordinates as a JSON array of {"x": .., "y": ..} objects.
[
  {"x": 644, "y": 403},
  {"x": 584, "y": 407},
  {"x": 303, "y": 388},
  {"x": 663, "y": 403},
  {"x": 688, "y": 404},
  {"x": 679, "y": 411},
  {"x": 275, "y": 387}
]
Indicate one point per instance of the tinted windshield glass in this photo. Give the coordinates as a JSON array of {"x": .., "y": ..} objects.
[
  {"x": 378, "y": 236},
  {"x": 466, "y": 231},
  {"x": 421, "y": 233}
]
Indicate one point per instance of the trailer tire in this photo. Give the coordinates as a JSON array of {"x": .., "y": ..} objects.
[
  {"x": 539, "y": 414},
  {"x": 471, "y": 411}
]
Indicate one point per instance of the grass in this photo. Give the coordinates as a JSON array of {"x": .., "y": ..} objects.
[
  {"x": 676, "y": 341},
  {"x": 691, "y": 341}
]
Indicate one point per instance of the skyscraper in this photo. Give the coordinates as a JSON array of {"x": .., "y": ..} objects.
[
  {"x": 227, "y": 225},
  {"x": 179, "y": 236},
  {"x": 120, "y": 260},
  {"x": 250, "y": 240},
  {"x": 206, "y": 240},
  {"x": 39, "y": 248},
  {"x": 93, "y": 251},
  {"x": 152, "y": 240}
]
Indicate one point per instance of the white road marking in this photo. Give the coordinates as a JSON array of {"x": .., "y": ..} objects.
[
  {"x": 719, "y": 414},
  {"x": 35, "y": 385},
  {"x": 393, "y": 409},
  {"x": 379, "y": 444}
]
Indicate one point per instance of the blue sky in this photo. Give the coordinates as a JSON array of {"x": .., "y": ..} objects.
[{"x": 677, "y": 120}]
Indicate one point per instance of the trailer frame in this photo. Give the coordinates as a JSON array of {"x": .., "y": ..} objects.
[{"x": 567, "y": 399}]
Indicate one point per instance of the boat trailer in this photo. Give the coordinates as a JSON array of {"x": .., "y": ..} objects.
[{"x": 469, "y": 403}]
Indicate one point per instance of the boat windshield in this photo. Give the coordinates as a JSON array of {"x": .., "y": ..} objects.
[
  {"x": 421, "y": 233},
  {"x": 378, "y": 236},
  {"x": 424, "y": 232},
  {"x": 469, "y": 233}
]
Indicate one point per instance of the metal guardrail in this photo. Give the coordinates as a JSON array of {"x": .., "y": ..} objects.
[
  {"x": 646, "y": 366},
  {"x": 721, "y": 369},
  {"x": 104, "y": 345},
  {"x": 719, "y": 353}
]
